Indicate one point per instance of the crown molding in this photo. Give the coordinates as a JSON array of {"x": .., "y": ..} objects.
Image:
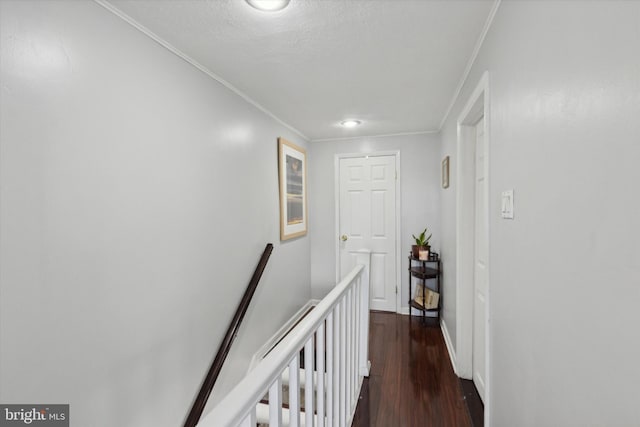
[
  {"x": 472, "y": 60},
  {"x": 120, "y": 14}
]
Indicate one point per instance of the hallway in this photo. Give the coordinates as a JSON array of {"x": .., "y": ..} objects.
[
  {"x": 141, "y": 175},
  {"x": 412, "y": 382}
]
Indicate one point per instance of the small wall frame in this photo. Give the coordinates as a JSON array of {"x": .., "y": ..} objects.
[
  {"x": 292, "y": 171},
  {"x": 445, "y": 172}
]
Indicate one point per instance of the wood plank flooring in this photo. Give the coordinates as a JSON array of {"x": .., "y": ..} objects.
[
  {"x": 411, "y": 382},
  {"x": 474, "y": 403}
]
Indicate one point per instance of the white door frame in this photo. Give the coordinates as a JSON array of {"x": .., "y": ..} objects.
[
  {"x": 476, "y": 107},
  {"x": 397, "y": 201}
]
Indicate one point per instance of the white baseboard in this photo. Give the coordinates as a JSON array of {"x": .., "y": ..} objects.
[
  {"x": 280, "y": 333},
  {"x": 447, "y": 341},
  {"x": 365, "y": 370}
]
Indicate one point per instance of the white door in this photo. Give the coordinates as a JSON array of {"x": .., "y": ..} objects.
[
  {"x": 480, "y": 260},
  {"x": 367, "y": 220}
]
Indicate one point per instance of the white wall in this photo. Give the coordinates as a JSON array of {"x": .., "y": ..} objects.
[
  {"x": 565, "y": 273},
  {"x": 420, "y": 182},
  {"x": 136, "y": 197}
]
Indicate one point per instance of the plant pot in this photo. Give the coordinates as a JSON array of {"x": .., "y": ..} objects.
[{"x": 415, "y": 250}]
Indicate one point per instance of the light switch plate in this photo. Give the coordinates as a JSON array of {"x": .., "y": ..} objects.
[{"x": 507, "y": 204}]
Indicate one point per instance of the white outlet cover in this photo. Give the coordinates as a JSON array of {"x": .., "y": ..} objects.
[{"x": 507, "y": 204}]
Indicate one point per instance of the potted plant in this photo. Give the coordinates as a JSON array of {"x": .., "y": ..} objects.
[{"x": 422, "y": 243}]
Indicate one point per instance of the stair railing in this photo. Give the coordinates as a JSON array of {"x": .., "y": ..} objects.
[
  {"x": 223, "y": 351},
  {"x": 337, "y": 327}
]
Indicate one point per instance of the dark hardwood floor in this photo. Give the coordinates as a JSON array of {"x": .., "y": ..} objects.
[
  {"x": 411, "y": 382},
  {"x": 474, "y": 403}
]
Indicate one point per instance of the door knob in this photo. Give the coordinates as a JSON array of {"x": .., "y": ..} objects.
[{"x": 344, "y": 238}]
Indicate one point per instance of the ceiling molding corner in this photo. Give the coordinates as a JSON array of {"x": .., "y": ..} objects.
[
  {"x": 120, "y": 14},
  {"x": 472, "y": 60},
  {"x": 346, "y": 138}
]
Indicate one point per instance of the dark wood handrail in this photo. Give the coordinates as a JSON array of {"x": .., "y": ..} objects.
[{"x": 225, "y": 346}]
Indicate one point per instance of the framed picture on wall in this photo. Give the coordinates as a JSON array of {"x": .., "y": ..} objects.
[
  {"x": 445, "y": 172},
  {"x": 292, "y": 171}
]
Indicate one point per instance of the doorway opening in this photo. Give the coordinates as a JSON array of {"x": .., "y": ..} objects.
[
  {"x": 367, "y": 193},
  {"x": 472, "y": 243}
]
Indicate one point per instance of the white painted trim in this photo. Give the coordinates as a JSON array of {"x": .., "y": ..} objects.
[
  {"x": 242, "y": 399},
  {"x": 280, "y": 333},
  {"x": 262, "y": 416},
  {"x": 336, "y": 197},
  {"x": 349, "y": 138},
  {"x": 449, "y": 344},
  {"x": 464, "y": 247},
  {"x": 398, "y": 235},
  {"x": 467, "y": 116},
  {"x": 487, "y": 334},
  {"x": 472, "y": 111},
  {"x": 370, "y": 154},
  {"x": 472, "y": 60},
  {"x": 162, "y": 42}
]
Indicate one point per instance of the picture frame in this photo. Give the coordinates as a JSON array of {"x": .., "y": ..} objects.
[
  {"x": 292, "y": 172},
  {"x": 445, "y": 172}
]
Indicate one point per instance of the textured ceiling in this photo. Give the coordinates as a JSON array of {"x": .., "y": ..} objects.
[{"x": 394, "y": 64}]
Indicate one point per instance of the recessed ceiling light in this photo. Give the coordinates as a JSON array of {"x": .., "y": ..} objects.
[
  {"x": 350, "y": 123},
  {"x": 269, "y": 5}
]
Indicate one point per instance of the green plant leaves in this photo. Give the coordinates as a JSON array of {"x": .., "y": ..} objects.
[{"x": 421, "y": 240}]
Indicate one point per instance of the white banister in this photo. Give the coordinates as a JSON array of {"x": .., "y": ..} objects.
[
  {"x": 308, "y": 390},
  {"x": 320, "y": 367},
  {"x": 349, "y": 350},
  {"x": 364, "y": 258},
  {"x": 355, "y": 374},
  {"x": 275, "y": 403},
  {"x": 337, "y": 363},
  {"x": 337, "y": 328},
  {"x": 330, "y": 370},
  {"x": 294, "y": 392},
  {"x": 250, "y": 419},
  {"x": 343, "y": 362}
]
